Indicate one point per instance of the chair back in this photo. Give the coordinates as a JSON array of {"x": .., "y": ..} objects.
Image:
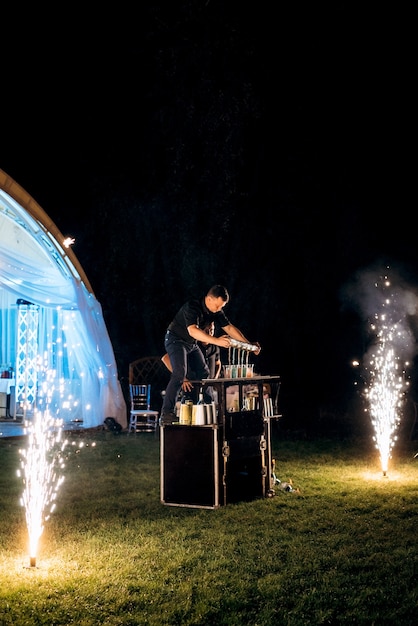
[
  {"x": 150, "y": 370},
  {"x": 140, "y": 396}
]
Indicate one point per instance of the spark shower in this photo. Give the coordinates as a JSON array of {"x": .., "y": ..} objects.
[
  {"x": 42, "y": 464},
  {"x": 386, "y": 364}
]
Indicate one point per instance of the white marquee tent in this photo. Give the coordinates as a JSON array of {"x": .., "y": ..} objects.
[{"x": 54, "y": 343}]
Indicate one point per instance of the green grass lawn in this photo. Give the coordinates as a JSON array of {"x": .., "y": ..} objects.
[{"x": 342, "y": 550}]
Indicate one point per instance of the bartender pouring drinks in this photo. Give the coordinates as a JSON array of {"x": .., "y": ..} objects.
[{"x": 181, "y": 338}]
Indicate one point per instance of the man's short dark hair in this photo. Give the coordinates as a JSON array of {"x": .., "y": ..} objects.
[{"x": 219, "y": 291}]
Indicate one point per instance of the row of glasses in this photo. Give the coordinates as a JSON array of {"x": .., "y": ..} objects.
[{"x": 243, "y": 370}]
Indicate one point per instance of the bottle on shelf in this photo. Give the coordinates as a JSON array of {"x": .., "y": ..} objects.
[{"x": 200, "y": 410}]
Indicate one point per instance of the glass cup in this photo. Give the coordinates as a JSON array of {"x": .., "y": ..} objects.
[{"x": 227, "y": 371}]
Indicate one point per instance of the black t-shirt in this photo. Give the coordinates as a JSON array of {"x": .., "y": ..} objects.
[{"x": 195, "y": 312}]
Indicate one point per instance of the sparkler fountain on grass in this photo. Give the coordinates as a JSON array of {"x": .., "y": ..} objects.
[
  {"x": 387, "y": 382},
  {"x": 42, "y": 464}
]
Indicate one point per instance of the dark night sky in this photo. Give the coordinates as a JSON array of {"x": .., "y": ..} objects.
[{"x": 199, "y": 142}]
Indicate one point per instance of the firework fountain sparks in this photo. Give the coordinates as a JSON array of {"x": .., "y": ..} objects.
[
  {"x": 42, "y": 464},
  {"x": 387, "y": 361},
  {"x": 387, "y": 387}
]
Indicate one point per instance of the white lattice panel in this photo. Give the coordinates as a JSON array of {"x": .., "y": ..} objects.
[{"x": 26, "y": 358}]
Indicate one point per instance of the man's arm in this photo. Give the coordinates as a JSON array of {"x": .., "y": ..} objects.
[
  {"x": 235, "y": 333},
  {"x": 200, "y": 335}
]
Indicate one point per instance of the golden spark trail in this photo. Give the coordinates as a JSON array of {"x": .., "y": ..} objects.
[
  {"x": 41, "y": 466},
  {"x": 387, "y": 384},
  {"x": 385, "y": 398}
]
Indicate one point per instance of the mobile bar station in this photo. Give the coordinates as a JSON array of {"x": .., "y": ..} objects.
[{"x": 220, "y": 453}]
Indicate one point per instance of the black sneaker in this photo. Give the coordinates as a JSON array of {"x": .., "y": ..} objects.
[{"x": 167, "y": 419}]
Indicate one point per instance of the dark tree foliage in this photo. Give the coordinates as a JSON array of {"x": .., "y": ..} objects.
[{"x": 205, "y": 141}]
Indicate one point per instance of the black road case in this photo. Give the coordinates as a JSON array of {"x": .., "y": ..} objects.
[
  {"x": 190, "y": 465},
  {"x": 200, "y": 469},
  {"x": 218, "y": 464}
]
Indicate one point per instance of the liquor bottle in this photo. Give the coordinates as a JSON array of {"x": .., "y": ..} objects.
[{"x": 200, "y": 410}]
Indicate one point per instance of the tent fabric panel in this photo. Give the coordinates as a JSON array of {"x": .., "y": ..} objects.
[{"x": 34, "y": 267}]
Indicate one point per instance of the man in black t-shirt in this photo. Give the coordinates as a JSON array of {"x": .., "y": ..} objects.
[
  {"x": 183, "y": 333},
  {"x": 212, "y": 356}
]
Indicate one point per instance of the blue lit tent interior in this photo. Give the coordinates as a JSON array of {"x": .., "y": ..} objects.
[{"x": 55, "y": 351}]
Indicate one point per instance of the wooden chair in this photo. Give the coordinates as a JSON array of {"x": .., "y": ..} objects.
[{"x": 141, "y": 417}]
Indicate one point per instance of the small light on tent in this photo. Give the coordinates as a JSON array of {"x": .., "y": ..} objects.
[{"x": 68, "y": 241}]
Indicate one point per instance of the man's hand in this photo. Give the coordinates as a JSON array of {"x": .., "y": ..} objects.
[
  {"x": 186, "y": 385},
  {"x": 223, "y": 342}
]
